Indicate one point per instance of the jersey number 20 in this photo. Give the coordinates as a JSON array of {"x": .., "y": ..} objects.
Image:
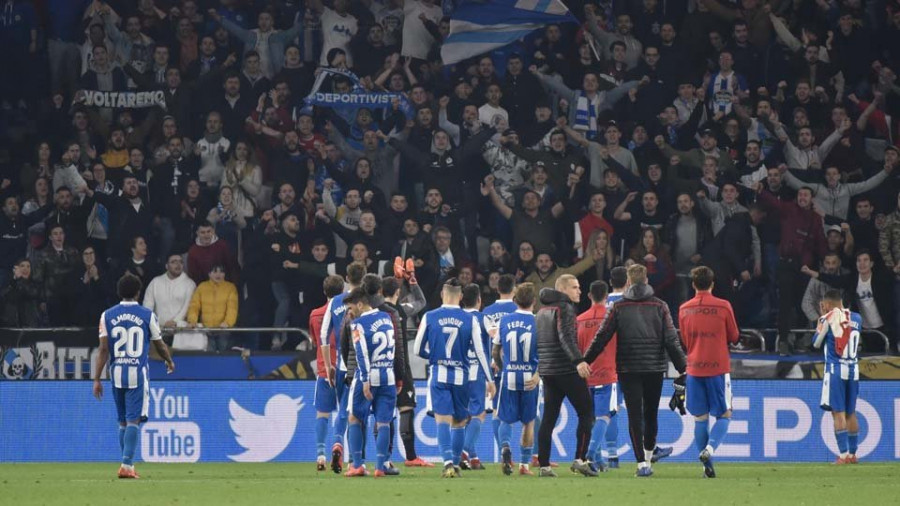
[{"x": 128, "y": 342}]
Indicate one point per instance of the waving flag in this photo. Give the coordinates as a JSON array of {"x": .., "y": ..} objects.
[{"x": 477, "y": 27}]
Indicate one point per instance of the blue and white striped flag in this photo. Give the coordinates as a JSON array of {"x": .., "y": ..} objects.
[{"x": 477, "y": 27}]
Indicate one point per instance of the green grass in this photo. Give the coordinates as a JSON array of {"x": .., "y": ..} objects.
[{"x": 300, "y": 484}]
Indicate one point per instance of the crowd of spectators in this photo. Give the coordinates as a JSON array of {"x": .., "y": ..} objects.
[{"x": 756, "y": 137}]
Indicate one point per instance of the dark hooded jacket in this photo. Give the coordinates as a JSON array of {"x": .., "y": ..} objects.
[
  {"x": 645, "y": 334},
  {"x": 558, "y": 350}
]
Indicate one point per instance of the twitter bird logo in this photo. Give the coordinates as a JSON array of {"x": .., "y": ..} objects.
[{"x": 264, "y": 436}]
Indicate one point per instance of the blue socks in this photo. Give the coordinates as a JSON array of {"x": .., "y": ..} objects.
[
  {"x": 504, "y": 433},
  {"x": 525, "y": 455},
  {"x": 473, "y": 432},
  {"x": 443, "y": 437},
  {"x": 457, "y": 439},
  {"x": 598, "y": 434},
  {"x": 841, "y": 436},
  {"x": 130, "y": 439},
  {"x": 321, "y": 432},
  {"x": 612, "y": 437},
  {"x": 717, "y": 433},
  {"x": 382, "y": 441},
  {"x": 701, "y": 434},
  {"x": 853, "y": 442},
  {"x": 495, "y": 425},
  {"x": 122, "y": 438},
  {"x": 355, "y": 441},
  {"x": 340, "y": 427}
]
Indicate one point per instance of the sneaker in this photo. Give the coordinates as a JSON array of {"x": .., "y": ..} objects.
[
  {"x": 536, "y": 463},
  {"x": 547, "y": 472},
  {"x": 708, "y": 470},
  {"x": 644, "y": 472},
  {"x": 475, "y": 464},
  {"x": 842, "y": 461},
  {"x": 390, "y": 470},
  {"x": 740, "y": 347},
  {"x": 127, "y": 472},
  {"x": 356, "y": 472},
  {"x": 320, "y": 463},
  {"x": 853, "y": 459},
  {"x": 660, "y": 453},
  {"x": 598, "y": 466},
  {"x": 524, "y": 471},
  {"x": 417, "y": 462},
  {"x": 584, "y": 467},
  {"x": 613, "y": 463},
  {"x": 337, "y": 458},
  {"x": 506, "y": 458},
  {"x": 464, "y": 461},
  {"x": 448, "y": 471}
]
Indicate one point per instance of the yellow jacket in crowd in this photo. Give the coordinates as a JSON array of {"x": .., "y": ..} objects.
[{"x": 214, "y": 303}]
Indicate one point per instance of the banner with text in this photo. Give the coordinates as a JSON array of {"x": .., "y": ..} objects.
[
  {"x": 124, "y": 99},
  {"x": 246, "y": 421}
]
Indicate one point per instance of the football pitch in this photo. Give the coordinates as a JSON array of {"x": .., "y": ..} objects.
[{"x": 189, "y": 484}]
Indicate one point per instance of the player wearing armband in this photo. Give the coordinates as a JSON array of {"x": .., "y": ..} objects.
[
  {"x": 471, "y": 302},
  {"x": 331, "y": 333},
  {"x": 444, "y": 338},
  {"x": 515, "y": 348},
  {"x": 374, "y": 387},
  {"x": 838, "y": 329},
  {"x": 129, "y": 329},
  {"x": 707, "y": 327},
  {"x": 325, "y": 400}
]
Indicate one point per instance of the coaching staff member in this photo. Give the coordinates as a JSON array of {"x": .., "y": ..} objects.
[
  {"x": 563, "y": 370},
  {"x": 645, "y": 335}
]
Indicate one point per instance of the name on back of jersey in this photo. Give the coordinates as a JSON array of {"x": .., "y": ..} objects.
[
  {"x": 455, "y": 322},
  {"x": 131, "y": 317}
]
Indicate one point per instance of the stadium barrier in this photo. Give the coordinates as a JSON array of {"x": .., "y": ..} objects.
[{"x": 242, "y": 421}]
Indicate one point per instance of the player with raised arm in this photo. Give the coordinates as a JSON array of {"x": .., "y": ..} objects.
[
  {"x": 515, "y": 348},
  {"x": 707, "y": 327},
  {"x": 331, "y": 332},
  {"x": 130, "y": 328},
  {"x": 413, "y": 303},
  {"x": 325, "y": 400},
  {"x": 504, "y": 305},
  {"x": 374, "y": 388},
  {"x": 471, "y": 302},
  {"x": 838, "y": 329},
  {"x": 602, "y": 381},
  {"x": 445, "y": 337}
]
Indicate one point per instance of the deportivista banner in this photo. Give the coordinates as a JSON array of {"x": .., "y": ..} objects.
[{"x": 259, "y": 421}]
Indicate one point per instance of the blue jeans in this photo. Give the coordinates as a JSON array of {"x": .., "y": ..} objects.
[{"x": 283, "y": 300}]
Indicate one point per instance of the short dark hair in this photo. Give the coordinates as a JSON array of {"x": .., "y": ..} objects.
[
  {"x": 204, "y": 224},
  {"x": 618, "y": 277},
  {"x": 864, "y": 251},
  {"x": 702, "y": 277},
  {"x": 129, "y": 286},
  {"x": 452, "y": 285},
  {"x": 333, "y": 286},
  {"x": 471, "y": 294},
  {"x": 524, "y": 296},
  {"x": 356, "y": 295},
  {"x": 355, "y": 273},
  {"x": 833, "y": 295},
  {"x": 506, "y": 283},
  {"x": 598, "y": 291},
  {"x": 390, "y": 286},
  {"x": 371, "y": 283}
]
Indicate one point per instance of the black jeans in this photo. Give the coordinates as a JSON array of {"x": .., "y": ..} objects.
[
  {"x": 556, "y": 389},
  {"x": 791, "y": 286},
  {"x": 642, "y": 391}
]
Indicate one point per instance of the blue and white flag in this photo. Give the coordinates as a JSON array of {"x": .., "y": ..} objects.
[
  {"x": 357, "y": 98},
  {"x": 477, "y": 27}
]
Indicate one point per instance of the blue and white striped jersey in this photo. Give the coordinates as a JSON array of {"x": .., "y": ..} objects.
[
  {"x": 445, "y": 337},
  {"x": 613, "y": 298},
  {"x": 334, "y": 318},
  {"x": 841, "y": 329},
  {"x": 474, "y": 366},
  {"x": 129, "y": 327},
  {"x": 373, "y": 338},
  {"x": 493, "y": 313},
  {"x": 517, "y": 335}
]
